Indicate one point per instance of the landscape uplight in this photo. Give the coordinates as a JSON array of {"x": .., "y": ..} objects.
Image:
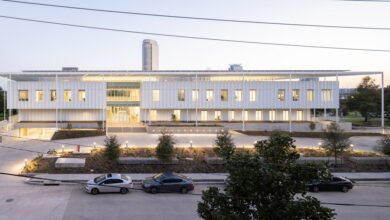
[
  {"x": 63, "y": 148},
  {"x": 127, "y": 144},
  {"x": 25, "y": 162},
  {"x": 190, "y": 144},
  {"x": 94, "y": 145}
]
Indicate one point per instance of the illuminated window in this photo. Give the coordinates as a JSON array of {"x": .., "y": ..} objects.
[
  {"x": 295, "y": 95},
  {"x": 224, "y": 95},
  {"x": 252, "y": 95},
  {"x": 210, "y": 95},
  {"x": 299, "y": 115},
  {"x": 176, "y": 114},
  {"x": 231, "y": 116},
  {"x": 123, "y": 94},
  {"x": 81, "y": 95},
  {"x": 238, "y": 95},
  {"x": 245, "y": 115},
  {"x": 67, "y": 95},
  {"x": 326, "y": 95},
  {"x": 153, "y": 115},
  {"x": 38, "y": 95},
  {"x": 285, "y": 116},
  {"x": 281, "y": 94},
  {"x": 272, "y": 115},
  {"x": 53, "y": 95},
  {"x": 23, "y": 95},
  {"x": 181, "y": 95},
  {"x": 203, "y": 115},
  {"x": 195, "y": 95},
  {"x": 155, "y": 95},
  {"x": 259, "y": 115},
  {"x": 217, "y": 115},
  {"x": 310, "y": 95}
]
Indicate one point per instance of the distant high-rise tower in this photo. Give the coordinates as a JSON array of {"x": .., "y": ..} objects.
[{"x": 149, "y": 55}]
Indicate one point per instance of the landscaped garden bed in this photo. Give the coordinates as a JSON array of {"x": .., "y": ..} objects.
[
  {"x": 77, "y": 133},
  {"x": 309, "y": 134}
]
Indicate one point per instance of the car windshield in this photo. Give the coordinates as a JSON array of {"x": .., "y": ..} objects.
[
  {"x": 99, "y": 178},
  {"x": 157, "y": 176},
  {"x": 124, "y": 177}
]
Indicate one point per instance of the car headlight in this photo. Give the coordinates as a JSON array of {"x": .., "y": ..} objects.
[{"x": 146, "y": 185}]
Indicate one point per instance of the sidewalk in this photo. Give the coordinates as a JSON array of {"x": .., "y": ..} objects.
[{"x": 208, "y": 177}]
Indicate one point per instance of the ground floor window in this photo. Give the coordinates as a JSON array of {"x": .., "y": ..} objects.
[
  {"x": 272, "y": 115},
  {"x": 153, "y": 115},
  {"x": 203, "y": 115},
  {"x": 123, "y": 114},
  {"x": 176, "y": 115},
  {"x": 299, "y": 115},
  {"x": 217, "y": 116},
  {"x": 285, "y": 116},
  {"x": 259, "y": 115},
  {"x": 231, "y": 116}
]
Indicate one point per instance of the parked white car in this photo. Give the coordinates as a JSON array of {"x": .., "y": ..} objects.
[{"x": 112, "y": 182}]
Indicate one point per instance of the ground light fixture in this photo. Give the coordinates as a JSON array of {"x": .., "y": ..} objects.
[
  {"x": 351, "y": 145},
  {"x": 94, "y": 145},
  {"x": 25, "y": 162},
  {"x": 63, "y": 148},
  {"x": 319, "y": 145},
  {"x": 190, "y": 144},
  {"x": 127, "y": 144}
]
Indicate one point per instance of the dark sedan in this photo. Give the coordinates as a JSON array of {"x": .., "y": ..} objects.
[
  {"x": 168, "y": 182},
  {"x": 333, "y": 184}
]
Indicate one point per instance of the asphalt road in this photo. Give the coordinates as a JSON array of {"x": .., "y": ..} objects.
[{"x": 70, "y": 202}]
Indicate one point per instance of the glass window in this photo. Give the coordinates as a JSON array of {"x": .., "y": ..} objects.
[
  {"x": 238, "y": 95},
  {"x": 217, "y": 115},
  {"x": 299, "y": 115},
  {"x": 156, "y": 95},
  {"x": 181, "y": 95},
  {"x": 195, "y": 95},
  {"x": 81, "y": 95},
  {"x": 224, "y": 95},
  {"x": 203, "y": 115},
  {"x": 285, "y": 115},
  {"x": 123, "y": 94},
  {"x": 310, "y": 95},
  {"x": 326, "y": 95},
  {"x": 67, "y": 95},
  {"x": 295, "y": 95},
  {"x": 176, "y": 115},
  {"x": 281, "y": 94},
  {"x": 252, "y": 95},
  {"x": 153, "y": 115},
  {"x": 259, "y": 115},
  {"x": 210, "y": 95},
  {"x": 23, "y": 95},
  {"x": 231, "y": 116},
  {"x": 245, "y": 115},
  {"x": 272, "y": 115},
  {"x": 39, "y": 96},
  {"x": 53, "y": 95}
]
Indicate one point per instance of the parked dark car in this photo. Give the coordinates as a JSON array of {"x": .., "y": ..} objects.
[
  {"x": 333, "y": 184},
  {"x": 168, "y": 182}
]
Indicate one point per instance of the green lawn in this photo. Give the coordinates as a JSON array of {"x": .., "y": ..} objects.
[{"x": 359, "y": 121}]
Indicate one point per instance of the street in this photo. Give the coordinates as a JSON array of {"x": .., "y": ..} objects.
[{"x": 70, "y": 202}]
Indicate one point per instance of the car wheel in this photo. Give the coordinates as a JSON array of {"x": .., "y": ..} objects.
[
  {"x": 153, "y": 190},
  {"x": 316, "y": 189},
  {"x": 184, "y": 190},
  {"x": 344, "y": 189},
  {"x": 124, "y": 191},
  {"x": 94, "y": 191}
]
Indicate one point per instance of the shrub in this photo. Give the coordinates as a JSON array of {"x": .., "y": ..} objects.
[
  {"x": 112, "y": 148},
  {"x": 384, "y": 145},
  {"x": 224, "y": 145},
  {"x": 335, "y": 141},
  {"x": 165, "y": 147}
]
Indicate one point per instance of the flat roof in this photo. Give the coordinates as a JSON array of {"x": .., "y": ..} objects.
[{"x": 282, "y": 74}]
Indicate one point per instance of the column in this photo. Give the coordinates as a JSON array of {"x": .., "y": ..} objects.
[
  {"x": 289, "y": 104},
  {"x": 243, "y": 102},
  {"x": 196, "y": 103},
  {"x": 338, "y": 98},
  {"x": 56, "y": 101},
  {"x": 382, "y": 103}
]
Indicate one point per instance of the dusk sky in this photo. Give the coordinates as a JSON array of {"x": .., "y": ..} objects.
[{"x": 33, "y": 46}]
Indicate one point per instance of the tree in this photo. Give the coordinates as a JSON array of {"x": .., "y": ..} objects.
[
  {"x": 224, "y": 145},
  {"x": 165, "y": 147},
  {"x": 112, "y": 148},
  {"x": 334, "y": 140},
  {"x": 366, "y": 99},
  {"x": 384, "y": 145},
  {"x": 264, "y": 186}
]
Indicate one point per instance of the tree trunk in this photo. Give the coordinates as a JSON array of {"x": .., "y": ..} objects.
[
  {"x": 366, "y": 118},
  {"x": 335, "y": 158}
]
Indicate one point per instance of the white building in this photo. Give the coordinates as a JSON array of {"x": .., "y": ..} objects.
[
  {"x": 149, "y": 55},
  {"x": 240, "y": 99}
]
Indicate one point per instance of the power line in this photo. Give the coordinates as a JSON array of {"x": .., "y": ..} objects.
[
  {"x": 200, "y": 18},
  {"x": 195, "y": 37}
]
